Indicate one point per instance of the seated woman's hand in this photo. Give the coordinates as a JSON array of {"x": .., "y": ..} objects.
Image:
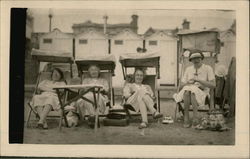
[
  {"x": 103, "y": 91},
  {"x": 152, "y": 96}
]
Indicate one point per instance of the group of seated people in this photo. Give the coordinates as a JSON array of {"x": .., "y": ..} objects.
[{"x": 196, "y": 82}]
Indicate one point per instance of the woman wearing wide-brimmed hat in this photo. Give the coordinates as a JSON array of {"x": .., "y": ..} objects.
[{"x": 195, "y": 83}]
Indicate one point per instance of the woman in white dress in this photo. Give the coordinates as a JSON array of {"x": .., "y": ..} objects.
[
  {"x": 195, "y": 83},
  {"x": 140, "y": 97},
  {"x": 47, "y": 100}
]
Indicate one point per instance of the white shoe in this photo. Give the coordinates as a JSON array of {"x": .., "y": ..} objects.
[{"x": 167, "y": 120}]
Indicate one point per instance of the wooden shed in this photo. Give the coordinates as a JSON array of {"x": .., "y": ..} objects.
[
  {"x": 166, "y": 46},
  {"x": 91, "y": 42}
]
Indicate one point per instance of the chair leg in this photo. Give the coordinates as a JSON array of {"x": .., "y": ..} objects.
[
  {"x": 127, "y": 112},
  {"x": 80, "y": 115},
  {"x": 177, "y": 110},
  {"x": 175, "y": 113},
  {"x": 28, "y": 118},
  {"x": 60, "y": 121},
  {"x": 180, "y": 108}
]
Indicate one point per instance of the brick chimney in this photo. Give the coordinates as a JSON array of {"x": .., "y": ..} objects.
[
  {"x": 185, "y": 24},
  {"x": 105, "y": 18},
  {"x": 134, "y": 22}
]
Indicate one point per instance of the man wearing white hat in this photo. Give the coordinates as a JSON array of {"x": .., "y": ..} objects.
[{"x": 195, "y": 84}]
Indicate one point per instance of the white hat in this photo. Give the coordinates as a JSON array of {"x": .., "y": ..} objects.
[
  {"x": 195, "y": 55},
  {"x": 220, "y": 70}
]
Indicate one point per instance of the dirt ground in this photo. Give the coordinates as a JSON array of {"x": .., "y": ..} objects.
[{"x": 156, "y": 134}]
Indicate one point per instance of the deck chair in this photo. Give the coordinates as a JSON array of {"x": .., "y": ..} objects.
[
  {"x": 210, "y": 101},
  {"x": 53, "y": 114},
  {"x": 149, "y": 80},
  {"x": 108, "y": 76}
]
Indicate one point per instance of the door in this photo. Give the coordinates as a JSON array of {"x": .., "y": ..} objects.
[
  {"x": 99, "y": 47},
  {"x": 168, "y": 62}
]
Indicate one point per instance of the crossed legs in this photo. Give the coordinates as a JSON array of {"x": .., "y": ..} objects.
[
  {"x": 146, "y": 103},
  {"x": 43, "y": 111}
]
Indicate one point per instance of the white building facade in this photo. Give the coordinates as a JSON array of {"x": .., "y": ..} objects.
[
  {"x": 91, "y": 42},
  {"x": 166, "y": 46},
  {"x": 124, "y": 42},
  {"x": 57, "y": 40}
]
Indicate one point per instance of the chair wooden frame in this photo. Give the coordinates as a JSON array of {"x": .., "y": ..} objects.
[
  {"x": 107, "y": 67},
  {"x": 128, "y": 107},
  {"x": 47, "y": 56},
  {"x": 32, "y": 110},
  {"x": 147, "y": 62},
  {"x": 209, "y": 100}
]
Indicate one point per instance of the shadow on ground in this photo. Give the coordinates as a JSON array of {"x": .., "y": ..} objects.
[{"x": 155, "y": 134}]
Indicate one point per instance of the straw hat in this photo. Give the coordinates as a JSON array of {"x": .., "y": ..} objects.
[{"x": 195, "y": 54}]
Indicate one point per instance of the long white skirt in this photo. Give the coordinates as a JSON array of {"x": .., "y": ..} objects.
[
  {"x": 200, "y": 95},
  {"x": 46, "y": 98}
]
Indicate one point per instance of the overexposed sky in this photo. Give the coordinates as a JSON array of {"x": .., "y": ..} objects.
[{"x": 63, "y": 19}]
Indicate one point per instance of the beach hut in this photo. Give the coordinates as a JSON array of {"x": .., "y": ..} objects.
[
  {"x": 123, "y": 42},
  {"x": 166, "y": 45},
  {"x": 57, "y": 41},
  {"x": 91, "y": 42}
]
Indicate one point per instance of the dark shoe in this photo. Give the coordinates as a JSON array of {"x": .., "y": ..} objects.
[
  {"x": 157, "y": 115},
  {"x": 39, "y": 125},
  {"x": 91, "y": 122}
]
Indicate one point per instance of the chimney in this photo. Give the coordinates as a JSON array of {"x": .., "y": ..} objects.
[
  {"x": 50, "y": 19},
  {"x": 105, "y": 18},
  {"x": 185, "y": 24},
  {"x": 134, "y": 22}
]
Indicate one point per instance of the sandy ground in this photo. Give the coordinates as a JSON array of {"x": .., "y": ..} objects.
[{"x": 155, "y": 134}]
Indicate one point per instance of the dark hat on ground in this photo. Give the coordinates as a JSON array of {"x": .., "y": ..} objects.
[{"x": 194, "y": 53}]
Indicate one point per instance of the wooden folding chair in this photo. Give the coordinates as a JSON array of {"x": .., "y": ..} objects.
[
  {"x": 107, "y": 75},
  {"x": 210, "y": 101},
  {"x": 41, "y": 77},
  {"x": 151, "y": 81}
]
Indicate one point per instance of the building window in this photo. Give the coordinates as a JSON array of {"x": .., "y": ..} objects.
[
  {"x": 47, "y": 41},
  {"x": 118, "y": 42},
  {"x": 152, "y": 42},
  {"x": 83, "y": 41}
]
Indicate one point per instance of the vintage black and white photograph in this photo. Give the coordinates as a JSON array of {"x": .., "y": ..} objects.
[{"x": 131, "y": 77}]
